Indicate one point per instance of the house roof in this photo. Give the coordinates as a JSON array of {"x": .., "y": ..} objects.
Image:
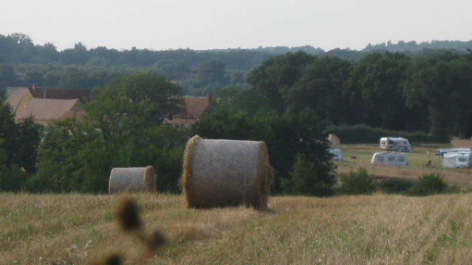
[
  {"x": 73, "y": 114},
  {"x": 194, "y": 107},
  {"x": 60, "y": 93},
  {"x": 15, "y": 97},
  {"x": 47, "y": 109}
]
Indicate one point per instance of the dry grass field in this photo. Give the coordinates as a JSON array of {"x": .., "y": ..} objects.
[
  {"x": 376, "y": 229},
  {"x": 359, "y": 155}
]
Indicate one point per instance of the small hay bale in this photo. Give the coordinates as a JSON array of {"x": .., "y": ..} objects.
[
  {"x": 132, "y": 179},
  {"x": 218, "y": 173}
]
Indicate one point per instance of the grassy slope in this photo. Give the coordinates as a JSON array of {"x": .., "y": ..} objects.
[{"x": 377, "y": 229}]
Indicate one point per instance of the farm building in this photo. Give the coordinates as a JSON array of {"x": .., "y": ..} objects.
[
  {"x": 46, "y": 104},
  {"x": 192, "y": 109}
]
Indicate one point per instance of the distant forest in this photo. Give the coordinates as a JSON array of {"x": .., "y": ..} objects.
[{"x": 22, "y": 63}]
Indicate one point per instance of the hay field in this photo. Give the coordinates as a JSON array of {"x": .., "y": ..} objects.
[
  {"x": 417, "y": 163},
  {"x": 376, "y": 229}
]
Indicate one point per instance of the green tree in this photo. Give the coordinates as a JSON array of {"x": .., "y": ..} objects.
[
  {"x": 285, "y": 135},
  {"x": 303, "y": 179},
  {"x": 18, "y": 145},
  {"x": 212, "y": 71},
  {"x": 122, "y": 128},
  {"x": 8, "y": 76},
  {"x": 276, "y": 76}
]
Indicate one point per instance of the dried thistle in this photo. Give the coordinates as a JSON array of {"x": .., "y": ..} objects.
[
  {"x": 128, "y": 215},
  {"x": 155, "y": 241}
]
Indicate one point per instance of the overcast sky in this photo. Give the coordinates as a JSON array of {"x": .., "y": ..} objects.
[{"x": 220, "y": 24}]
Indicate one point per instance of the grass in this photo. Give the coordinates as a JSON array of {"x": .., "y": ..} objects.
[
  {"x": 417, "y": 163},
  {"x": 377, "y": 229}
]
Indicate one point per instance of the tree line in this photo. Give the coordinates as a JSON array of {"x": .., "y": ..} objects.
[
  {"x": 288, "y": 102},
  {"x": 388, "y": 90}
]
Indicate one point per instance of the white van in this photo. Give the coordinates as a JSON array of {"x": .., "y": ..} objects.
[
  {"x": 395, "y": 144},
  {"x": 337, "y": 154},
  {"x": 389, "y": 158}
]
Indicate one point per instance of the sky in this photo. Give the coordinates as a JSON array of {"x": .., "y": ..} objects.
[{"x": 221, "y": 24}]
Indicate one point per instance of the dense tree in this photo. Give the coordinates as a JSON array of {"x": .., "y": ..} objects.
[
  {"x": 275, "y": 76},
  {"x": 8, "y": 76},
  {"x": 321, "y": 88},
  {"x": 211, "y": 71},
  {"x": 18, "y": 145},
  {"x": 285, "y": 134},
  {"x": 122, "y": 128}
]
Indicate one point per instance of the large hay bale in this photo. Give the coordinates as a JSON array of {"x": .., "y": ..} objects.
[
  {"x": 220, "y": 173},
  {"x": 132, "y": 179}
]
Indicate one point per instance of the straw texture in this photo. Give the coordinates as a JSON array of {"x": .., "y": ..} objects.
[
  {"x": 221, "y": 173},
  {"x": 133, "y": 179}
]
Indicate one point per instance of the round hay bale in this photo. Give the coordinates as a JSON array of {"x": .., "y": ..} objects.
[
  {"x": 219, "y": 173},
  {"x": 132, "y": 179}
]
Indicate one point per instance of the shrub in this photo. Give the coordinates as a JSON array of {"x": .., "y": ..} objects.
[
  {"x": 357, "y": 182},
  {"x": 394, "y": 185},
  {"x": 428, "y": 184},
  {"x": 365, "y": 134},
  {"x": 305, "y": 180}
]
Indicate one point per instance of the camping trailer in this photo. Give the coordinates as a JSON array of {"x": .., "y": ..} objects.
[
  {"x": 389, "y": 158},
  {"x": 337, "y": 154},
  {"x": 456, "y": 160},
  {"x": 395, "y": 144},
  {"x": 442, "y": 151}
]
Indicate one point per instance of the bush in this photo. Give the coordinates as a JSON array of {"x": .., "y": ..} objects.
[
  {"x": 357, "y": 182},
  {"x": 394, "y": 185},
  {"x": 428, "y": 184},
  {"x": 305, "y": 180},
  {"x": 366, "y": 134}
]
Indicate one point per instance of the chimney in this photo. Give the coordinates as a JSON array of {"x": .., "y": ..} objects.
[{"x": 208, "y": 97}]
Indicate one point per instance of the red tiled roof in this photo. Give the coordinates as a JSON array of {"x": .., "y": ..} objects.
[
  {"x": 47, "y": 109},
  {"x": 194, "y": 107},
  {"x": 61, "y": 93},
  {"x": 16, "y": 96},
  {"x": 73, "y": 114}
]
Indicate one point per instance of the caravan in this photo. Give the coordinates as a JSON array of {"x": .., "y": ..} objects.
[
  {"x": 459, "y": 157},
  {"x": 337, "y": 154},
  {"x": 389, "y": 158},
  {"x": 456, "y": 160},
  {"x": 395, "y": 144}
]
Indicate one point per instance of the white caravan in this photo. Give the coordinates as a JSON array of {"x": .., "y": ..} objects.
[
  {"x": 442, "y": 151},
  {"x": 395, "y": 144},
  {"x": 389, "y": 158},
  {"x": 456, "y": 160},
  {"x": 337, "y": 154}
]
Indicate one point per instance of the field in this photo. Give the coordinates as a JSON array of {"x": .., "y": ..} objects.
[
  {"x": 376, "y": 229},
  {"x": 359, "y": 155}
]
